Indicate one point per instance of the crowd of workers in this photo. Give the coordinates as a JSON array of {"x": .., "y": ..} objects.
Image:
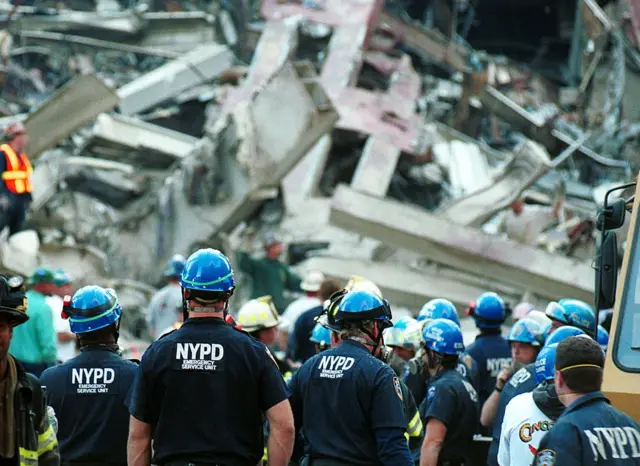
[{"x": 350, "y": 384}]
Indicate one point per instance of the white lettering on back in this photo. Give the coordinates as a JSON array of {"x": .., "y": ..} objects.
[{"x": 333, "y": 367}]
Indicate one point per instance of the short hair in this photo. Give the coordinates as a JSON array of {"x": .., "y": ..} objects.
[
  {"x": 358, "y": 328},
  {"x": 327, "y": 288},
  {"x": 580, "y": 360}
]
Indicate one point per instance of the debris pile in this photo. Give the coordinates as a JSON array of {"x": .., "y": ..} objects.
[{"x": 373, "y": 144}]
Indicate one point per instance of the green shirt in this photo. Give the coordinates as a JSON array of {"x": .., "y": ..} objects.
[
  {"x": 35, "y": 340},
  {"x": 269, "y": 277}
]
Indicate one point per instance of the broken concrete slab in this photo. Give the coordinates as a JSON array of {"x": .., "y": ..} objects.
[
  {"x": 529, "y": 163},
  {"x": 277, "y": 44},
  {"x": 196, "y": 67},
  {"x": 429, "y": 41},
  {"x": 401, "y": 286},
  {"x": 376, "y": 167},
  {"x": 86, "y": 264},
  {"x": 302, "y": 182},
  {"x": 461, "y": 247},
  {"x": 142, "y": 144},
  {"x": 74, "y": 105},
  {"x": 180, "y": 31}
]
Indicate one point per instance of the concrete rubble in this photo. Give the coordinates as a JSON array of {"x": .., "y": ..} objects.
[{"x": 377, "y": 145}]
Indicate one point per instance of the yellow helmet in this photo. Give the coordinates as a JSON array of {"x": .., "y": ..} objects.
[
  {"x": 258, "y": 314},
  {"x": 362, "y": 284}
]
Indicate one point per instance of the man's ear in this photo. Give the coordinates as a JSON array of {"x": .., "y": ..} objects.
[{"x": 559, "y": 381}]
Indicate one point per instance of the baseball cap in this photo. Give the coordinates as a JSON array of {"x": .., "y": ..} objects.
[
  {"x": 60, "y": 278},
  {"x": 41, "y": 275}
]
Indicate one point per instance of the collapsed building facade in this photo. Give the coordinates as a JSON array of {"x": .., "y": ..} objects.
[{"x": 373, "y": 144}]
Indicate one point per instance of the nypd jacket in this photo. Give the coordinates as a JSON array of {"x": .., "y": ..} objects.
[
  {"x": 591, "y": 432},
  {"x": 37, "y": 443}
]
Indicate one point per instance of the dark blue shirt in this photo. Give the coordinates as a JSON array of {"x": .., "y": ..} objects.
[
  {"x": 204, "y": 389},
  {"x": 301, "y": 348},
  {"x": 89, "y": 394},
  {"x": 347, "y": 402},
  {"x": 491, "y": 352},
  {"x": 591, "y": 432},
  {"x": 520, "y": 382},
  {"x": 452, "y": 400}
]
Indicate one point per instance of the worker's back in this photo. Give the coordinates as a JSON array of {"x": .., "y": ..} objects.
[
  {"x": 342, "y": 395},
  {"x": 89, "y": 395},
  {"x": 204, "y": 388}
]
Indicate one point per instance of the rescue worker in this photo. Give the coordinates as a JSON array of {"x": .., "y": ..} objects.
[
  {"x": 269, "y": 276},
  {"x": 603, "y": 338},
  {"x": 34, "y": 344},
  {"x": 508, "y": 386},
  {"x": 412, "y": 415},
  {"x": 347, "y": 402},
  {"x": 571, "y": 312},
  {"x": 525, "y": 340},
  {"x": 260, "y": 319},
  {"x": 590, "y": 431},
  {"x": 300, "y": 348},
  {"x": 531, "y": 415},
  {"x": 26, "y": 435},
  {"x": 66, "y": 340},
  {"x": 404, "y": 340},
  {"x": 310, "y": 284},
  {"x": 166, "y": 303},
  {"x": 15, "y": 193},
  {"x": 235, "y": 373},
  {"x": 490, "y": 350},
  {"x": 90, "y": 392},
  {"x": 450, "y": 410},
  {"x": 321, "y": 337},
  {"x": 444, "y": 309}
]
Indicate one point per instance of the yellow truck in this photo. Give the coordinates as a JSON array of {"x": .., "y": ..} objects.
[{"x": 622, "y": 368}]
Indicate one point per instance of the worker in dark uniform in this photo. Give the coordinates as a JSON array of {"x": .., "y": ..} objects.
[
  {"x": 417, "y": 376},
  {"x": 414, "y": 431},
  {"x": 201, "y": 391},
  {"x": 450, "y": 410},
  {"x": 347, "y": 402},
  {"x": 490, "y": 350},
  {"x": 590, "y": 431},
  {"x": 89, "y": 392},
  {"x": 526, "y": 340},
  {"x": 16, "y": 188}
]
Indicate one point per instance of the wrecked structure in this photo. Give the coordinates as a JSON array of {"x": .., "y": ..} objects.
[{"x": 374, "y": 145}]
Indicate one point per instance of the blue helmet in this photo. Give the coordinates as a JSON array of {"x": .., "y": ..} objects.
[
  {"x": 488, "y": 311},
  {"x": 208, "y": 270},
  {"x": 545, "y": 366},
  {"x": 321, "y": 336},
  {"x": 175, "y": 266},
  {"x": 603, "y": 337},
  {"x": 563, "y": 333},
  {"x": 439, "y": 309},
  {"x": 357, "y": 306},
  {"x": 91, "y": 308},
  {"x": 443, "y": 336},
  {"x": 572, "y": 312},
  {"x": 526, "y": 331}
]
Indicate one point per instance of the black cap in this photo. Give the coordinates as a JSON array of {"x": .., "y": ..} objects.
[{"x": 13, "y": 301}]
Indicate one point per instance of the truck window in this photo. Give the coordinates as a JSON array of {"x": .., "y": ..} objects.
[{"x": 627, "y": 345}]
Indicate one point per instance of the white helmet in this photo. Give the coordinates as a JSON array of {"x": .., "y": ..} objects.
[
  {"x": 539, "y": 317},
  {"x": 312, "y": 281},
  {"x": 362, "y": 284},
  {"x": 258, "y": 314}
]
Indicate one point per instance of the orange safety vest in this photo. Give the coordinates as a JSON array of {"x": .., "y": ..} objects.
[{"x": 17, "y": 176}]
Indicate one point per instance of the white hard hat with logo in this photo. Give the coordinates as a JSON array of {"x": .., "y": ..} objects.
[
  {"x": 312, "y": 281},
  {"x": 258, "y": 314}
]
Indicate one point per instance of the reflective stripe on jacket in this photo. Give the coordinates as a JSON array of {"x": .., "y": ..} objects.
[{"x": 17, "y": 176}]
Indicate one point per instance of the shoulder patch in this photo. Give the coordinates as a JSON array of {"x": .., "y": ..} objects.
[
  {"x": 398, "y": 388},
  {"x": 546, "y": 458},
  {"x": 467, "y": 361},
  {"x": 431, "y": 392}
]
